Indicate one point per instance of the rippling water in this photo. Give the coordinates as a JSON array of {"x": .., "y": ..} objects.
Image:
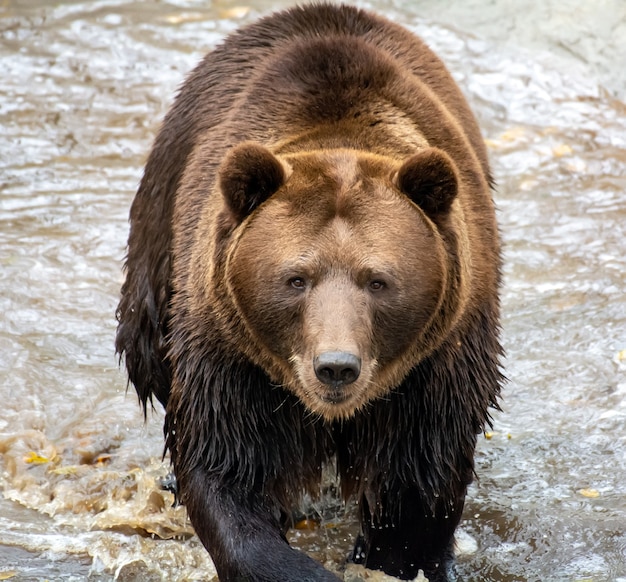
[{"x": 83, "y": 86}]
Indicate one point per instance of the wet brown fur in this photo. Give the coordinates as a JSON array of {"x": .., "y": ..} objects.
[{"x": 349, "y": 132}]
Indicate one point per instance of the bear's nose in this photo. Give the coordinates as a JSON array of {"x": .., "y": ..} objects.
[{"x": 337, "y": 368}]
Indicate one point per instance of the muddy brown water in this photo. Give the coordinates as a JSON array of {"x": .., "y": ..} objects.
[{"x": 83, "y": 86}]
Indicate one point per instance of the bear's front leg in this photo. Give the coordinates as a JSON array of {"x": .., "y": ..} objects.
[
  {"x": 242, "y": 533},
  {"x": 403, "y": 536}
]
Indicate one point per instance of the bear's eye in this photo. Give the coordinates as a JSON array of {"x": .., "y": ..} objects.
[
  {"x": 377, "y": 285},
  {"x": 297, "y": 283}
]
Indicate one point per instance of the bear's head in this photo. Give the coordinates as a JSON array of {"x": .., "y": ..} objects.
[{"x": 337, "y": 266}]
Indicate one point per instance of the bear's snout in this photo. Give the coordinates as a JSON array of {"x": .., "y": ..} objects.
[{"x": 337, "y": 369}]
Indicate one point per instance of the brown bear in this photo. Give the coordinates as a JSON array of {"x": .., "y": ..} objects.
[{"x": 312, "y": 276}]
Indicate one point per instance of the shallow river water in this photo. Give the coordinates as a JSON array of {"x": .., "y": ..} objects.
[{"x": 83, "y": 86}]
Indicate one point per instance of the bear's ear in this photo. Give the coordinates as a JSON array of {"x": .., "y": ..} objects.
[
  {"x": 429, "y": 179},
  {"x": 248, "y": 176}
]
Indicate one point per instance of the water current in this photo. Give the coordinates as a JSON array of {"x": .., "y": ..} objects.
[{"x": 83, "y": 87}]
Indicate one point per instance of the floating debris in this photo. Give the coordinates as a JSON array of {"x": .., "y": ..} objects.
[
  {"x": 235, "y": 12},
  {"x": 590, "y": 493},
  {"x": 33, "y": 458}
]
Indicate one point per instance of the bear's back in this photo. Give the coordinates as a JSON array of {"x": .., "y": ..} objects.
[{"x": 246, "y": 83}]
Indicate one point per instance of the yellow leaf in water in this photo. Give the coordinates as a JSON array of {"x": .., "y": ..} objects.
[
  {"x": 306, "y": 524},
  {"x": 185, "y": 17},
  {"x": 35, "y": 459},
  {"x": 8, "y": 574},
  {"x": 562, "y": 150},
  {"x": 513, "y": 134},
  {"x": 591, "y": 493},
  {"x": 510, "y": 136},
  {"x": 235, "y": 12},
  {"x": 102, "y": 459},
  {"x": 621, "y": 356},
  {"x": 488, "y": 435}
]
